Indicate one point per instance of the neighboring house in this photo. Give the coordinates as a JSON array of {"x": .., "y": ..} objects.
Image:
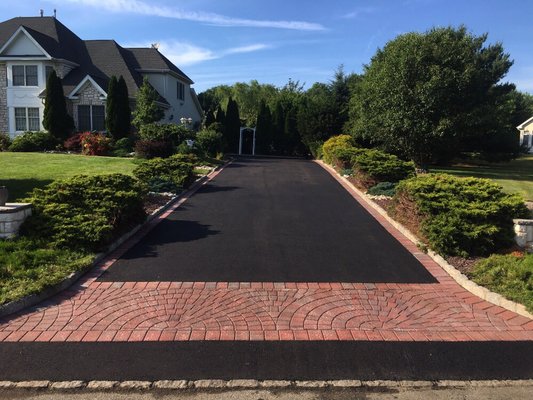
[
  {"x": 30, "y": 47},
  {"x": 526, "y": 134}
]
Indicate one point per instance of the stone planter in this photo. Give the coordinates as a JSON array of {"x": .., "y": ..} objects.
[
  {"x": 4, "y": 193},
  {"x": 524, "y": 233}
]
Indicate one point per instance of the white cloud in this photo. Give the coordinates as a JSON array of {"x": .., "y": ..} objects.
[
  {"x": 360, "y": 11},
  {"x": 141, "y": 7},
  {"x": 183, "y": 54},
  {"x": 247, "y": 49}
]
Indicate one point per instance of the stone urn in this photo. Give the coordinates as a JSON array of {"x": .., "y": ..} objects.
[{"x": 3, "y": 195}]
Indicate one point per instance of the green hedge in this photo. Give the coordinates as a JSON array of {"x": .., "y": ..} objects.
[
  {"x": 509, "y": 275},
  {"x": 33, "y": 141},
  {"x": 172, "y": 133},
  {"x": 376, "y": 166},
  {"x": 177, "y": 170},
  {"x": 458, "y": 216},
  {"x": 333, "y": 144},
  {"x": 85, "y": 212}
]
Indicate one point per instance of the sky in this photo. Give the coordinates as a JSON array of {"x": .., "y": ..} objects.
[{"x": 226, "y": 41}]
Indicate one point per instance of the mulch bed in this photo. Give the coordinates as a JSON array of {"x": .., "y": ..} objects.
[{"x": 153, "y": 201}]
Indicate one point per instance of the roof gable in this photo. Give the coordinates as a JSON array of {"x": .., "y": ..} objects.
[
  {"x": 525, "y": 124},
  {"x": 82, "y": 86},
  {"x": 22, "y": 44}
]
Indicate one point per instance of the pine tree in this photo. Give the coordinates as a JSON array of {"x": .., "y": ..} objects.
[
  {"x": 111, "y": 106},
  {"x": 291, "y": 135},
  {"x": 278, "y": 126},
  {"x": 123, "y": 117},
  {"x": 232, "y": 126},
  {"x": 146, "y": 110},
  {"x": 56, "y": 119},
  {"x": 263, "y": 130}
]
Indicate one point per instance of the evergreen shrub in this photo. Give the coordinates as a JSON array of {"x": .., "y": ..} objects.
[
  {"x": 85, "y": 212},
  {"x": 33, "y": 141},
  {"x": 458, "y": 216},
  {"x": 178, "y": 169}
]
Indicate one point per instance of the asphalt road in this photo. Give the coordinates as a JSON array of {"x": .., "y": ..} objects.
[{"x": 270, "y": 220}]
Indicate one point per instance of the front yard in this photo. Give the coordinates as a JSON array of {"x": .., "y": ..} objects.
[
  {"x": 515, "y": 176},
  {"x": 21, "y": 172}
]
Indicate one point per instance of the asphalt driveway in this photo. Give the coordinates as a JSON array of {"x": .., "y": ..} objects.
[{"x": 270, "y": 220}]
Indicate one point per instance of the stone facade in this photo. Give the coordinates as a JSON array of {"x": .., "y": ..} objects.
[
  {"x": 87, "y": 95},
  {"x": 524, "y": 233},
  {"x": 12, "y": 215},
  {"x": 4, "y": 123}
]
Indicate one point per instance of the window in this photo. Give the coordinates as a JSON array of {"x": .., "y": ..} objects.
[
  {"x": 181, "y": 91},
  {"x": 25, "y": 75},
  {"x": 27, "y": 119},
  {"x": 91, "y": 118}
]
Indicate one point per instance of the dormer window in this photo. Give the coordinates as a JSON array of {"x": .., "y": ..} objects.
[{"x": 25, "y": 75}]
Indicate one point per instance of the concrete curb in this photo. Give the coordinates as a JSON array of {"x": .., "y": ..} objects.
[
  {"x": 247, "y": 384},
  {"x": 33, "y": 299},
  {"x": 455, "y": 274}
]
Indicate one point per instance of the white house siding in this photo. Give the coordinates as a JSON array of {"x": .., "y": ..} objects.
[
  {"x": 4, "y": 126},
  {"x": 526, "y": 134},
  {"x": 24, "y": 96},
  {"x": 166, "y": 85},
  {"x": 22, "y": 45}
]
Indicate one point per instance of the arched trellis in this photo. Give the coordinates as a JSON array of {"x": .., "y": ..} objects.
[{"x": 240, "y": 139}]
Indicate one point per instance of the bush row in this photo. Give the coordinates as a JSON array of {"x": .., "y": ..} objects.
[
  {"x": 458, "y": 216},
  {"x": 454, "y": 216},
  {"x": 153, "y": 140},
  {"x": 85, "y": 213},
  {"x": 369, "y": 166}
]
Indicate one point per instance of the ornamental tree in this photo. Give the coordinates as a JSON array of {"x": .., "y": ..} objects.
[
  {"x": 424, "y": 94},
  {"x": 147, "y": 110}
]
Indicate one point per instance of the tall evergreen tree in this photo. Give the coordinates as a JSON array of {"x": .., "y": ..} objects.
[
  {"x": 111, "y": 106},
  {"x": 56, "y": 119},
  {"x": 232, "y": 126},
  {"x": 123, "y": 117},
  {"x": 278, "y": 126},
  {"x": 147, "y": 110},
  {"x": 292, "y": 138},
  {"x": 263, "y": 130}
]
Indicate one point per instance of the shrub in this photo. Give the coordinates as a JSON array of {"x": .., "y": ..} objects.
[
  {"x": 315, "y": 148},
  {"x": 509, "y": 275},
  {"x": 33, "y": 141},
  {"x": 333, "y": 144},
  {"x": 175, "y": 169},
  {"x": 383, "y": 189},
  {"x": 153, "y": 148},
  {"x": 375, "y": 166},
  {"x": 73, "y": 143},
  {"x": 458, "y": 216},
  {"x": 5, "y": 141},
  {"x": 85, "y": 212},
  {"x": 185, "y": 149},
  {"x": 95, "y": 144},
  {"x": 172, "y": 133},
  {"x": 122, "y": 147},
  {"x": 209, "y": 141}
]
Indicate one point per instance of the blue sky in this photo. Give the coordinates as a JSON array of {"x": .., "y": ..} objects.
[{"x": 227, "y": 41}]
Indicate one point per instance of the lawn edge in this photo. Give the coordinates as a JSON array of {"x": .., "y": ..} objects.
[
  {"x": 456, "y": 275},
  {"x": 33, "y": 299}
]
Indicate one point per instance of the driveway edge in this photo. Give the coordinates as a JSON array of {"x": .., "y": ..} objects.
[
  {"x": 33, "y": 299},
  {"x": 239, "y": 384},
  {"x": 455, "y": 274}
]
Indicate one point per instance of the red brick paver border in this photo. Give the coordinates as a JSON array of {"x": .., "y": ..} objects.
[{"x": 93, "y": 311}]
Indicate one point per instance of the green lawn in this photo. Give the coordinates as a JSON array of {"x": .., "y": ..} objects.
[
  {"x": 21, "y": 172},
  {"x": 515, "y": 176}
]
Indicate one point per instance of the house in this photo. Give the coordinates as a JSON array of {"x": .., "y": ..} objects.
[
  {"x": 526, "y": 134},
  {"x": 30, "y": 47}
]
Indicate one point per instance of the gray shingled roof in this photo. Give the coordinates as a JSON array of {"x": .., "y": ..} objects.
[
  {"x": 100, "y": 59},
  {"x": 52, "y": 35}
]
